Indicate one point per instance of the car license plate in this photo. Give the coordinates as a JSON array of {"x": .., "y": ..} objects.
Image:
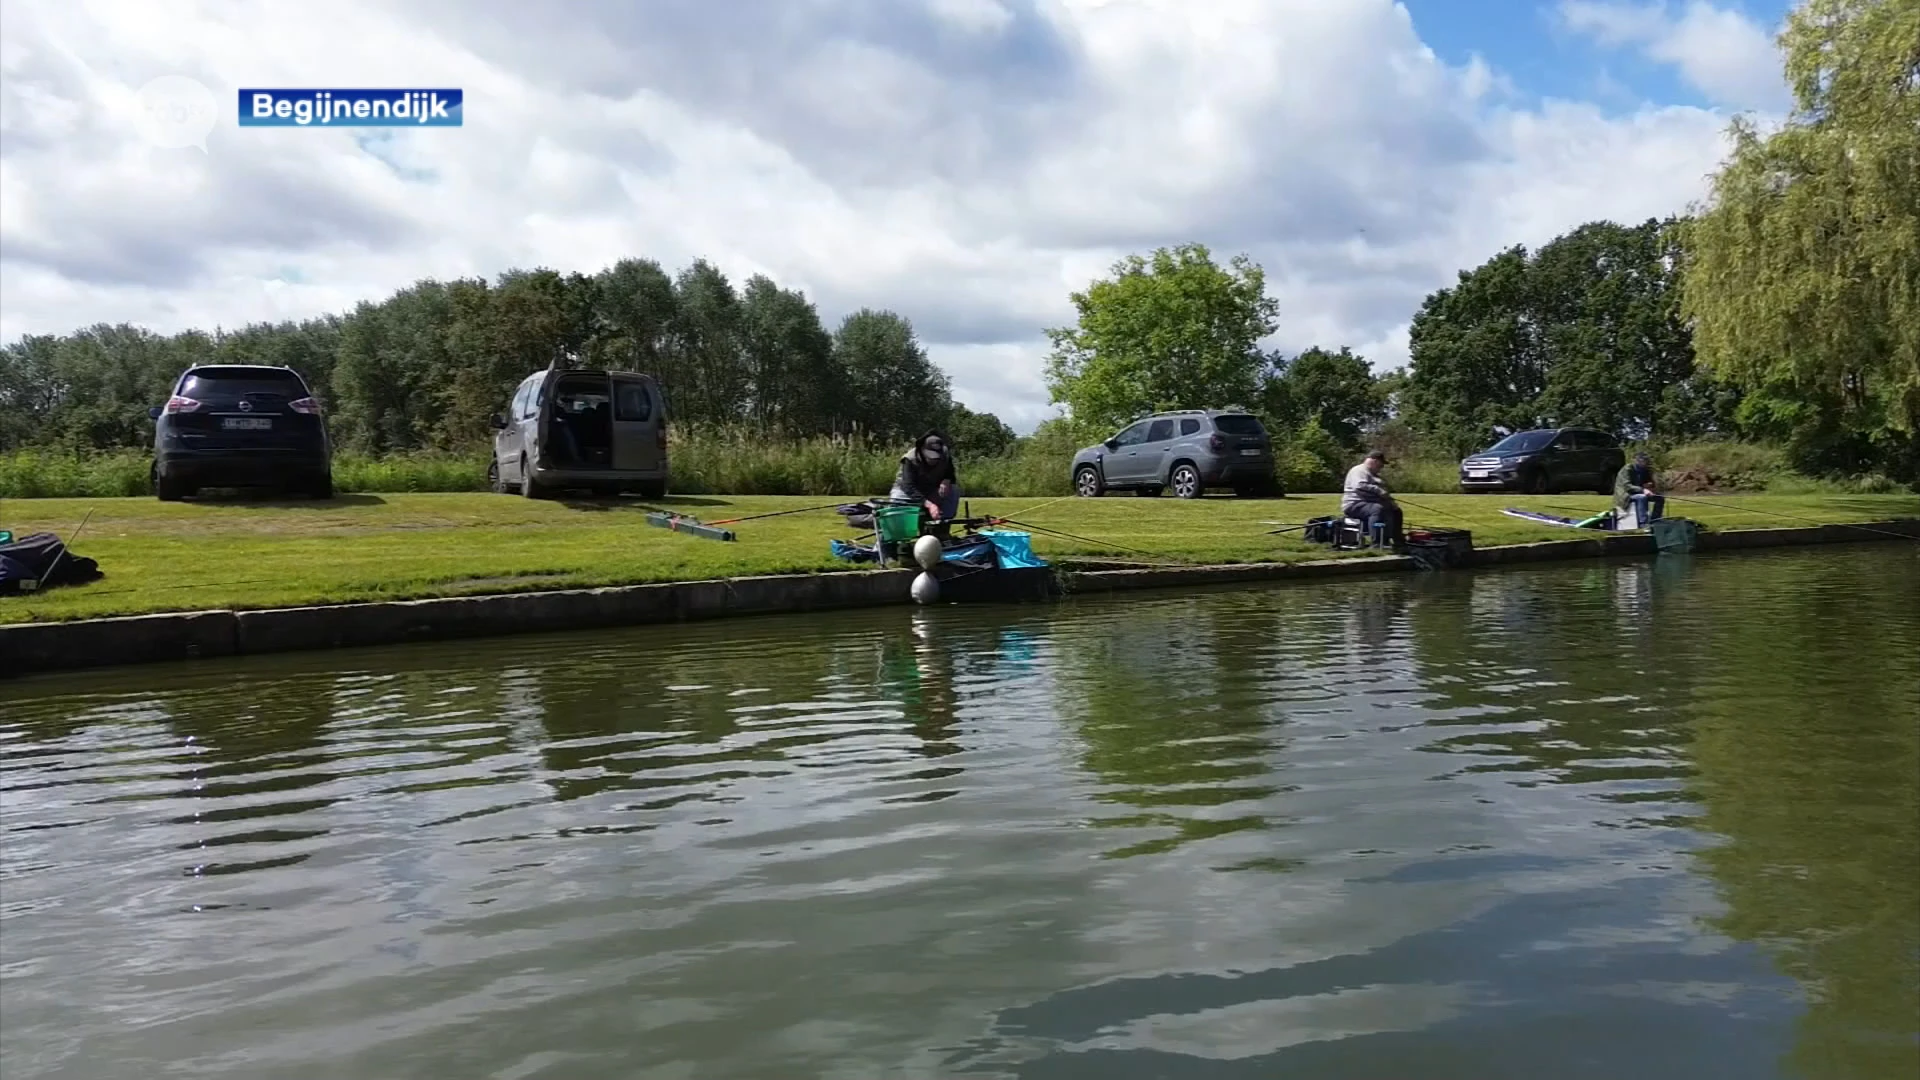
[
  {"x": 247, "y": 423},
  {"x": 1250, "y": 453},
  {"x": 1477, "y": 474}
]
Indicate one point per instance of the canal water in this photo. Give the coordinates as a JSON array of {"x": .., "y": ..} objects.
[{"x": 1650, "y": 819}]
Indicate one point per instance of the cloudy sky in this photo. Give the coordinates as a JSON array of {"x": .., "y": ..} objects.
[{"x": 967, "y": 163}]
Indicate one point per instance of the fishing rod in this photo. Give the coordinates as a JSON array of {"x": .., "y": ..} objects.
[
  {"x": 1071, "y": 536},
  {"x": 1046, "y": 504},
  {"x": 775, "y": 514},
  {"x": 1796, "y": 517},
  {"x": 1432, "y": 510},
  {"x": 68, "y": 544}
]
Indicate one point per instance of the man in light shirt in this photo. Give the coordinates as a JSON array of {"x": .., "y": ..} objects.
[{"x": 1366, "y": 499}]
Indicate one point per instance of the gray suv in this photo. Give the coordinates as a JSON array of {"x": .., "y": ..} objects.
[{"x": 1189, "y": 451}]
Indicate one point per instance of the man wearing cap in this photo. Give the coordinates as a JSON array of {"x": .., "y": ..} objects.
[
  {"x": 1635, "y": 488},
  {"x": 1366, "y": 499},
  {"x": 927, "y": 477}
]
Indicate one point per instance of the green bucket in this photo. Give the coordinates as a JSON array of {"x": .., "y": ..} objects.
[{"x": 898, "y": 524}]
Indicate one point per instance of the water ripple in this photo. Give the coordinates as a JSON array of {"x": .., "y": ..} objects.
[{"x": 1588, "y": 821}]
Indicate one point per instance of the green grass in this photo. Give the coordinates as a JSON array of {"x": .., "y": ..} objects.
[{"x": 253, "y": 554}]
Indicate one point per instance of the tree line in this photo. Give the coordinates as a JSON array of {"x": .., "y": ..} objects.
[
  {"x": 1785, "y": 309},
  {"x": 424, "y": 368}
]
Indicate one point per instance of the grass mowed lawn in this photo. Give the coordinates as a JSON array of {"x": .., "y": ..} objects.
[{"x": 239, "y": 553}]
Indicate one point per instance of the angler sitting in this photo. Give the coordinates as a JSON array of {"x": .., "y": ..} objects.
[
  {"x": 927, "y": 477},
  {"x": 1635, "y": 489},
  {"x": 1366, "y": 499}
]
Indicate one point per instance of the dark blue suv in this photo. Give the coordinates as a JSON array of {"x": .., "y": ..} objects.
[{"x": 240, "y": 425}]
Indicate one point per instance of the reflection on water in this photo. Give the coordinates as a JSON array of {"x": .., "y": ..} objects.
[{"x": 1658, "y": 819}]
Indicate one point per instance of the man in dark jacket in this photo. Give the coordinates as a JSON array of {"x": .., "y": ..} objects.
[
  {"x": 927, "y": 477},
  {"x": 1634, "y": 488}
]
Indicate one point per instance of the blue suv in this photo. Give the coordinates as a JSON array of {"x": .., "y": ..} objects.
[{"x": 1189, "y": 451}]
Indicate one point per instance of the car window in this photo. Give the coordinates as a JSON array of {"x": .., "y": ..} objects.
[
  {"x": 1189, "y": 427},
  {"x": 1161, "y": 431},
  {"x": 1602, "y": 440},
  {"x": 632, "y": 402},
  {"x": 1521, "y": 442},
  {"x": 1238, "y": 424},
  {"x": 1133, "y": 436},
  {"x": 1566, "y": 441},
  {"x": 536, "y": 397},
  {"x": 236, "y": 382},
  {"x": 518, "y": 406},
  {"x": 575, "y": 402}
]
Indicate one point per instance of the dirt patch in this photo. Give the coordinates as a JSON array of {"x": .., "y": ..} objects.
[{"x": 1695, "y": 480}]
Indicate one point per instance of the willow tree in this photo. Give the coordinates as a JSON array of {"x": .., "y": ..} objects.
[{"x": 1803, "y": 272}]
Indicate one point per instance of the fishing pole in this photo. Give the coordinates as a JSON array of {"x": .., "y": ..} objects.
[
  {"x": 1077, "y": 539},
  {"x": 775, "y": 514},
  {"x": 1432, "y": 510},
  {"x": 1046, "y": 504},
  {"x": 68, "y": 545},
  {"x": 1796, "y": 517}
]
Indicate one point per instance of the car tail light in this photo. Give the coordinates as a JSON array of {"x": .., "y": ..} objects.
[
  {"x": 178, "y": 404},
  {"x": 1215, "y": 443},
  {"x": 305, "y": 405},
  {"x": 661, "y": 436}
]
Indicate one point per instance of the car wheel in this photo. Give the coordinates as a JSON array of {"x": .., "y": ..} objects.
[
  {"x": 1151, "y": 491},
  {"x": 494, "y": 483},
  {"x": 1186, "y": 482},
  {"x": 323, "y": 487},
  {"x": 166, "y": 488},
  {"x": 1534, "y": 483},
  {"x": 1086, "y": 482},
  {"x": 529, "y": 487},
  {"x": 654, "y": 489},
  {"x": 1246, "y": 492}
]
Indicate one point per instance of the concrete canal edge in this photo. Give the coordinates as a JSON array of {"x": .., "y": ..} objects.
[{"x": 29, "y": 648}]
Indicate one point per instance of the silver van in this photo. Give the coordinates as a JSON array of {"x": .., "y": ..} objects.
[{"x": 601, "y": 431}]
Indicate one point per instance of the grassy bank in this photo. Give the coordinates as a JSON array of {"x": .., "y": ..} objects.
[{"x": 251, "y": 554}]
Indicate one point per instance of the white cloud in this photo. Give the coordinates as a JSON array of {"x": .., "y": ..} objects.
[
  {"x": 966, "y": 163},
  {"x": 1719, "y": 51}
]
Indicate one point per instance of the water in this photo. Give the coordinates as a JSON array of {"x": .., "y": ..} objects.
[{"x": 1658, "y": 819}]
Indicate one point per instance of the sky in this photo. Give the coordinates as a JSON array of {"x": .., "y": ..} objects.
[{"x": 966, "y": 163}]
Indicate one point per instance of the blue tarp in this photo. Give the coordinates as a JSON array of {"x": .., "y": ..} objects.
[{"x": 1015, "y": 549}]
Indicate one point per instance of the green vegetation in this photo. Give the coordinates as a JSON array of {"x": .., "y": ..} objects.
[
  {"x": 240, "y": 554},
  {"x": 1803, "y": 271}
]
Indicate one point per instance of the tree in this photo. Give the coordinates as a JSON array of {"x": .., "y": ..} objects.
[
  {"x": 1606, "y": 301},
  {"x": 798, "y": 385},
  {"x": 1170, "y": 332},
  {"x": 1475, "y": 362},
  {"x": 1586, "y": 330},
  {"x": 1803, "y": 271},
  {"x": 979, "y": 435},
  {"x": 706, "y": 375},
  {"x": 1336, "y": 390},
  {"x": 896, "y": 391}
]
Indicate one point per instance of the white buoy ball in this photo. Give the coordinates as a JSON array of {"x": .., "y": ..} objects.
[
  {"x": 926, "y": 552},
  {"x": 926, "y": 589}
]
